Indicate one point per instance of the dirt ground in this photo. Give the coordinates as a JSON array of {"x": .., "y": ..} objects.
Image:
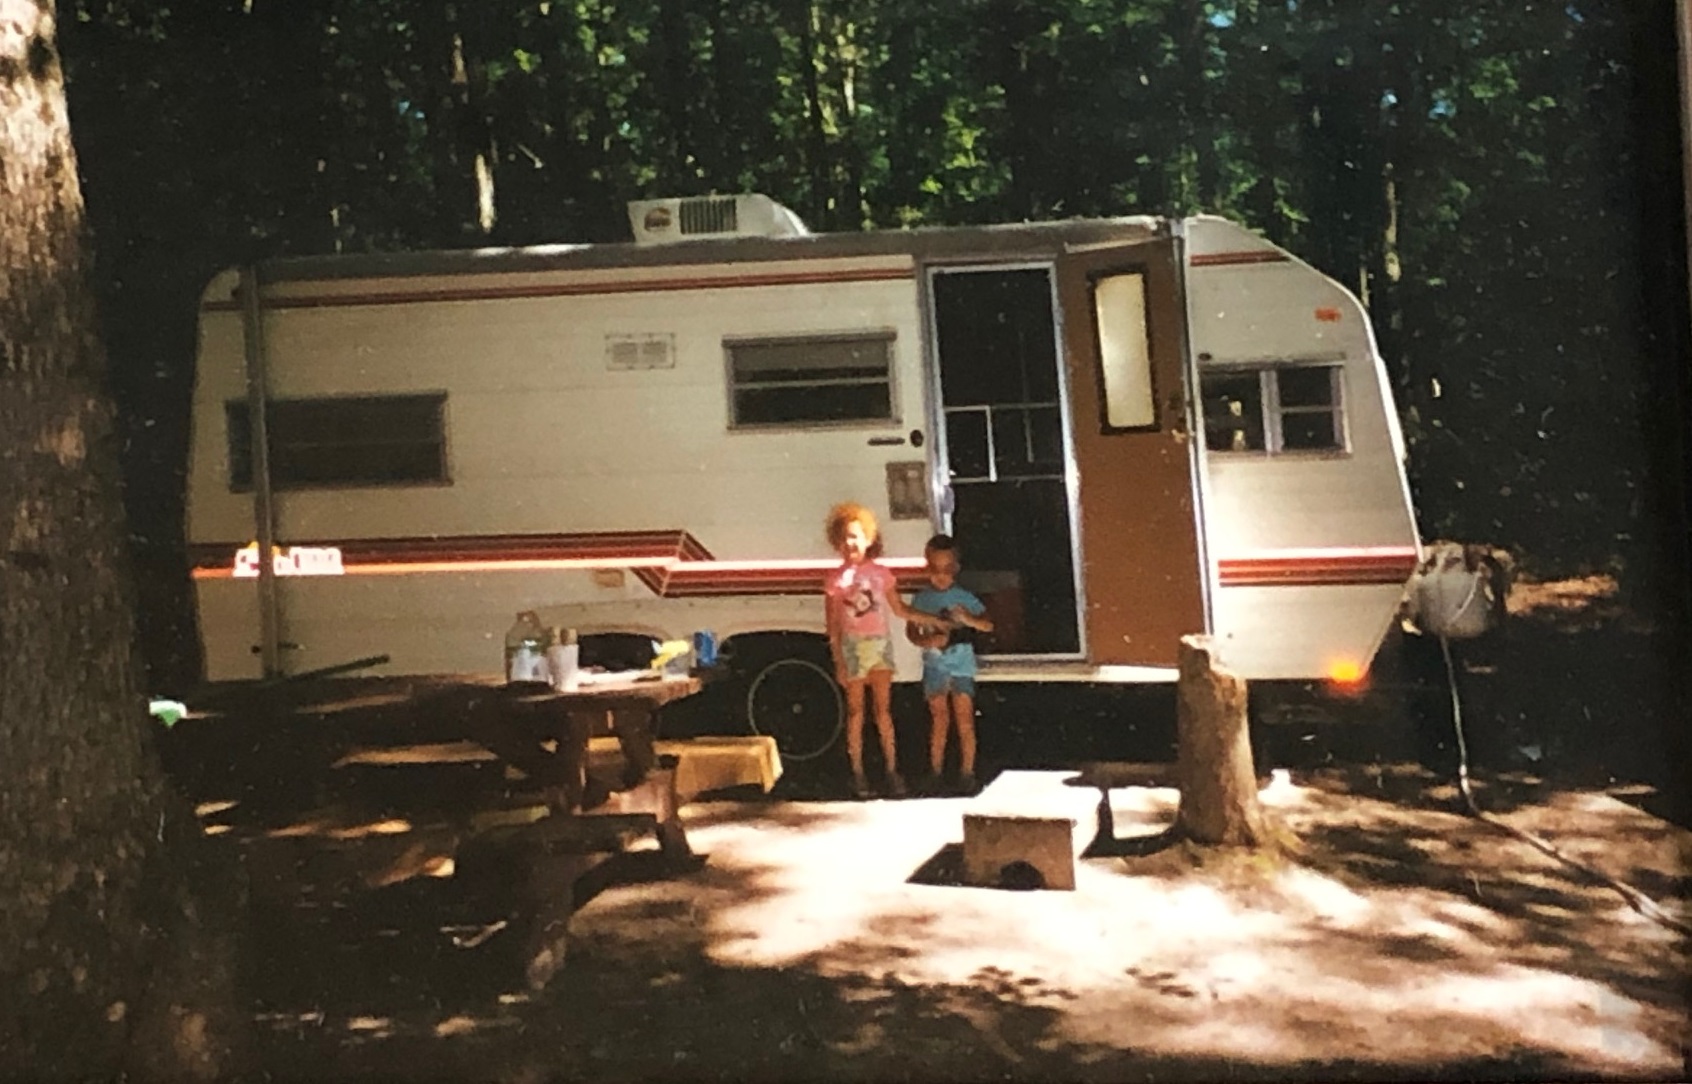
[
  {"x": 818, "y": 939},
  {"x": 821, "y": 940}
]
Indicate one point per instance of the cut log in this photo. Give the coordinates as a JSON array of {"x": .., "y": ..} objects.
[{"x": 1213, "y": 761}]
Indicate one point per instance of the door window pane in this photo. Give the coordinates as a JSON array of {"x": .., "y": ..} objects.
[
  {"x": 966, "y": 444},
  {"x": 1119, "y": 315},
  {"x": 1027, "y": 441}
]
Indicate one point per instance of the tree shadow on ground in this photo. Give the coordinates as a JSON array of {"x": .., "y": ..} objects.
[
  {"x": 1546, "y": 914},
  {"x": 696, "y": 1019}
]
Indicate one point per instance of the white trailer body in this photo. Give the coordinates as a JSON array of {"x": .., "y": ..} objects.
[{"x": 1137, "y": 428}]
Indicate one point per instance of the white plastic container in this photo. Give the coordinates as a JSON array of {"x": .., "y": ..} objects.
[{"x": 563, "y": 660}]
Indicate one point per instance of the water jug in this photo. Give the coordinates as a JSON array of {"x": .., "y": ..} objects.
[{"x": 525, "y": 649}]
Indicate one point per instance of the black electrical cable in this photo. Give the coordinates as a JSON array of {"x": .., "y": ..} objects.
[{"x": 1636, "y": 899}]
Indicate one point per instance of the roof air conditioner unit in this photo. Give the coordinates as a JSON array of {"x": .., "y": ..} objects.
[{"x": 657, "y": 221}]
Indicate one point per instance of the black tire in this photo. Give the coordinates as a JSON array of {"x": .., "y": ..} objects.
[{"x": 797, "y": 702}]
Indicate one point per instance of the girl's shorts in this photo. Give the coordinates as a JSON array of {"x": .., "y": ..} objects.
[{"x": 864, "y": 654}]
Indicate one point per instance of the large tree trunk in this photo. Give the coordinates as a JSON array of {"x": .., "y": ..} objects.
[
  {"x": 99, "y": 942},
  {"x": 1213, "y": 762}
]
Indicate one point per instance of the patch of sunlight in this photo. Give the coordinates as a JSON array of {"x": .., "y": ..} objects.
[
  {"x": 392, "y": 827},
  {"x": 1199, "y": 906},
  {"x": 1467, "y": 913},
  {"x": 1282, "y": 792},
  {"x": 1247, "y": 967},
  {"x": 836, "y": 894},
  {"x": 1312, "y": 969},
  {"x": 1414, "y": 924},
  {"x": 1159, "y": 801},
  {"x": 377, "y": 1024},
  {"x": 1328, "y": 898},
  {"x": 469, "y": 937},
  {"x": 282, "y": 1019},
  {"x": 1288, "y": 1006},
  {"x": 1557, "y": 1011},
  {"x": 1552, "y": 910},
  {"x": 207, "y": 809},
  {"x": 216, "y": 829},
  {"x": 454, "y": 1025}
]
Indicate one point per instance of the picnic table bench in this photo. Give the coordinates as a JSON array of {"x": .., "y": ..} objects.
[{"x": 544, "y": 787}]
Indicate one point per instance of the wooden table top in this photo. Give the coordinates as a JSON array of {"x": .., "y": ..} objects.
[{"x": 335, "y": 696}]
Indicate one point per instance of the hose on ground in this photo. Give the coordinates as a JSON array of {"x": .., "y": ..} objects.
[{"x": 1636, "y": 899}]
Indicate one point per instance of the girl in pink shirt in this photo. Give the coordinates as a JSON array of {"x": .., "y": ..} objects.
[{"x": 862, "y": 600}]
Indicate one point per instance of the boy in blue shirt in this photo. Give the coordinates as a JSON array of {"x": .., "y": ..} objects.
[{"x": 948, "y": 658}]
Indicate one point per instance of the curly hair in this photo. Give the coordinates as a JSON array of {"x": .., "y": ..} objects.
[{"x": 844, "y": 515}]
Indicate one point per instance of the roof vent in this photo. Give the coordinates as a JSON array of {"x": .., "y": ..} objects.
[{"x": 657, "y": 221}]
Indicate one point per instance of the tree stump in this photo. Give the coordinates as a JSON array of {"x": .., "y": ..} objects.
[{"x": 1213, "y": 760}]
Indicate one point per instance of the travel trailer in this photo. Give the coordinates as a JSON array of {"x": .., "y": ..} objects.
[{"x": 1137, "y": 428}]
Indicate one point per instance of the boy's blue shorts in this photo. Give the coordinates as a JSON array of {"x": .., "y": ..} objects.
[{"x": 939, "y": 680}]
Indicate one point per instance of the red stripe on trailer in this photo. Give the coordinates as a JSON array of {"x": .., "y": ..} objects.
[
  {"x": 569, "y": 289},
  {"x": 689, "y": 579},
  {"x": 604, "y": 549},
  {"x": 671, "y": 564},
  {"x": 1319, "y": 567},
  {"x": 1234, "y": 259}
]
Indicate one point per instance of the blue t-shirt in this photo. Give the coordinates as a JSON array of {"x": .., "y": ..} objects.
[{"x": 958, "y": 655}]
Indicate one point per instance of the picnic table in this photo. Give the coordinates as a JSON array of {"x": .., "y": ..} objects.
[
  {"x": 390, "y": 825},
  {"x": 545, "y": 733}
]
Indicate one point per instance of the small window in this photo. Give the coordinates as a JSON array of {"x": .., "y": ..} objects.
[
  {"x": 819, "y": 380},
  {"x": 343, "y": 441},
  {"x": 1125, "y": 368},
  {"x": 1276, "y": 409}
]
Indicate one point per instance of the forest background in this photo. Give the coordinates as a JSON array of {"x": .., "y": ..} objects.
[{"x": 1499, "y": 180}]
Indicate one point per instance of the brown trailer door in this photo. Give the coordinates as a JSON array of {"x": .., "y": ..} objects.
[{"x": 1125, "y": 347}]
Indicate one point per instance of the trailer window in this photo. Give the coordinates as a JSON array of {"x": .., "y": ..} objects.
[
  {"x": 817, "y": 380},
  {"x": 342, "y": 441},
  {"x": 1274, "y": 409}
]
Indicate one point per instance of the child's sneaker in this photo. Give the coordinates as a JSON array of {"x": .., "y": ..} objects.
[
  {"x": 967, "y": 786},
  {"x": 895, "y": 785},
  {"x": 859, "y": 787}
]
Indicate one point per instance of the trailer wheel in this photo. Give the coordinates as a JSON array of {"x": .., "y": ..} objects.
[{"x": 796, "y": 702}]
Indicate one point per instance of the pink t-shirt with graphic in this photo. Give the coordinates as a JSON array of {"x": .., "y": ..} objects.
[{"x": 861, "y": 591}]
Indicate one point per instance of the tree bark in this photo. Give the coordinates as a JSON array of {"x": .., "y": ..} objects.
[
  {"x": 107, "y": 965},
  {"x": 1213, "y": 762}
]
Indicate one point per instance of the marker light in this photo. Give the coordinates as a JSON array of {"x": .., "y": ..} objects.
[{"x": 1345, "y": 672}]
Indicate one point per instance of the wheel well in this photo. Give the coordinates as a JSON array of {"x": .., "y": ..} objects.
[{"x": 748, "y": 652}]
